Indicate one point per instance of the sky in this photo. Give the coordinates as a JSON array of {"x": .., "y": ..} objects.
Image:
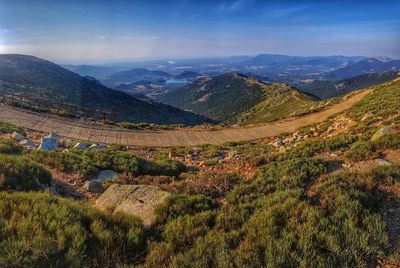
[{"x": 96, "y": 31}]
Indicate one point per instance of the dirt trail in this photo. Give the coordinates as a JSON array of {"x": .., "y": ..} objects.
[{"x": 80, "y": 130}]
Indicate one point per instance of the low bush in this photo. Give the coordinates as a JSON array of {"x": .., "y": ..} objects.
[
  {"x": 340, "y": 142},
  {"x": 21, "y": 173},
  {"x": 8, "y": 128},
  {"x": 38, "y": 230},
  {"x": 180, "y": 205},
  {"x": 181, "y": 232},
  {"x": 295, "y": 172},
  {"x": 9, "y": 147},
  {"x": 361, "y": 150},
  {"x": 385, "y": 174}
]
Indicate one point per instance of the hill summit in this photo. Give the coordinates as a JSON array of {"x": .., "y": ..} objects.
[{"x": 237, "y": 98}]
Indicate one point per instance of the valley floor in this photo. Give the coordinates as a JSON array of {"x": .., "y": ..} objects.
[{"x": 109, "y": 135}]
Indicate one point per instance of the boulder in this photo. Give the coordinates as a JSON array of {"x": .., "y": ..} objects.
[
  {"x": 107, "y": 175},
  {"x": 94, "y": 186},
  {"x": 97, "y": 146},
  {"x": 382, "y": 132},
  {"x": 136, "y": 200},
  {"x": 80, "y": 146},
  {"x": 17, "y": 136},
  {"x": 48, "y": 144},
  {"x": 28, "y": 144}
]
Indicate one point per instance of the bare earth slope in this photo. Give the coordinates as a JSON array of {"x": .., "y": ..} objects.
[{"x": 112, "y": 135}]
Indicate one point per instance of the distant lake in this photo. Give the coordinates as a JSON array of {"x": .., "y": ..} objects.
[{"x": 176, "y": 81}]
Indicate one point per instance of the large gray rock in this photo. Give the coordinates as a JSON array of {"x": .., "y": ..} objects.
[
  {"x": 382, "y": 132},
  {"x": 136, "y": 200},
  {"x": 17, "y": 136},
  {"x": 94, "y": 186},
  {"x": 49, "y": 142},
  {"x": 28, "y": 144},
  {"x": 107, "y": 175}
]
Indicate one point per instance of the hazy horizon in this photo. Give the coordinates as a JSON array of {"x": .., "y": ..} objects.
[{"x": 95, "y": 32}]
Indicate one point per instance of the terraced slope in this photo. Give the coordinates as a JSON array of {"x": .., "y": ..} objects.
[{"x": 112, "y": 135}]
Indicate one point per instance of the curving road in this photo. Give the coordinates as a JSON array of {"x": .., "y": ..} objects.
[{"x": 76, "y": 129}]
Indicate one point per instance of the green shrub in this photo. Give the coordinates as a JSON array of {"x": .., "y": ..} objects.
[
  {"x": 340, "y": 142},
  {"x": 361, "y": 150},
  {"x": 21, "y": 173},
  {"x": 295, "y": 171},
  {"x": 8, "y": 128},
  {"x": 304, "y": 149},
  {"x": 38, "y": 230},
  {"x": 180, "y": 205},
  {"x": 8, "y": 147},
  {"x": 212, "y": 250},
  {"x": 181, "y": 232},
  {"x": 385, "y": 174}
]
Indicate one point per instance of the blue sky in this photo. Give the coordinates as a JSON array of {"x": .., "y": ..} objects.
[{"x": 103, "y": 31}]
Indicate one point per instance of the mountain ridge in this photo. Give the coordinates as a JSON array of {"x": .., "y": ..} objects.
[
  {"x": 33, "y": 76},
  {"x": 228, "y": 97}
]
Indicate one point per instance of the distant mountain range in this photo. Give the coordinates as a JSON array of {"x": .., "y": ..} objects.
[
  {"x": 33, "y": 76},
  {"x": 282, "y": 66},
  {"x": 366, "y": 66},
  {"x": 329, "y": 89},
  {"x": 236, "y": 98}
]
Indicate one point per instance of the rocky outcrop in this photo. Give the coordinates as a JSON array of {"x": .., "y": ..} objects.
[
  {"x": 382, "y": 132},
  {"x": 136, "y": 200}
]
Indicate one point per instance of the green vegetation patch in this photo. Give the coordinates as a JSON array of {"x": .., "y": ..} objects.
[
  {"x": 382, "y": 103},
  {"x": 21, "y": 173},
  {"x": 38, "y": 230},
  {"x": 8, "y": 128},
  {"x": 90, "y": 162}
]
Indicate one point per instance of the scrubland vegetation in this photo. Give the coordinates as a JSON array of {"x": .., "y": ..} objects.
[
  {"x": 38, "y": 230},
  {"x": 91, "y": 162}
]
